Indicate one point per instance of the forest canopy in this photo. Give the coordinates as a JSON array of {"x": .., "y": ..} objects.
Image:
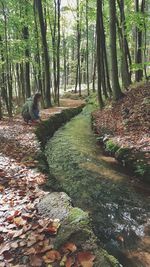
[{"x": 52, "y": 46}]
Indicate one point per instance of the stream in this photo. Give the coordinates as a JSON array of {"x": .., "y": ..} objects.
[{"x": 118, "y": 205}]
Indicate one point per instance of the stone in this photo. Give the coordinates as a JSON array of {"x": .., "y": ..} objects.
[{"x": 56, "y": 205}]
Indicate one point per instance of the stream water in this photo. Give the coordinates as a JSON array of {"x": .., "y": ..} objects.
[{"x": 119, "y": 207}]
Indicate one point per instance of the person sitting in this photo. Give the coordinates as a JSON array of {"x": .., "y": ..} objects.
[{"x": 30, "y": 110}]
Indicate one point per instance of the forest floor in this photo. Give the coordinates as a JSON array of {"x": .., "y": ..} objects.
[
  {"x": 26, "y": 238},
  {"x": 127, "y": 122}
]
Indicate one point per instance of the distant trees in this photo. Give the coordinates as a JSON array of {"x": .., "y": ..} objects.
[{"x": 45, "y": 46}]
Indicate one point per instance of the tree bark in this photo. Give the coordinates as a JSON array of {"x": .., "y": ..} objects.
[
  {"x": 113, "y": 51},
  {"x": 38, "y": 4},
  {"x": 99, "y": 54}
]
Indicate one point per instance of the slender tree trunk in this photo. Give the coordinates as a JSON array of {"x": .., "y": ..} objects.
[
  {"x": 27, "y": 63},
  {"x": 126, "y": 74},
  {"x": 1, "y": 115},
  {"x": 78, "y": 72},
  {"x": 8, "y": 78},
  {"x": 38, "y": 59},
  {"x": 53, "y": 34},
  {"x": 99, "y": 54},
  {"x": 138, "y": 51},
  {"x": 87, "y": 45},
  {"x": 58, "y": 51},
  {"x": 65, "y": 62},
  {"x": 113, "y": 50},
  {"x": 46, "y": 54},
  {"x": 3, "y": 94}
]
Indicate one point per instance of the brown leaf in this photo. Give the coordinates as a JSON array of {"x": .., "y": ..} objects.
[
  {"x": 17, "y": 213},
  {"x": 10, "y": 218},
  {"x": 17, "y": 233},
  {"x": 85, "y": 259},
  {"x": 4, "y": 248},
  {"x": 14, "y": 245},
  {"x": 69, "y": 247},
  {"x": 2, "y": 173},
  {"x": 50, "y": 230},
  {"x": 1, "y": 239},
  {"x": 69, "y": 262},
  {"x": 30, "y": 251},
  {"x": 35, "y": 261},
  {"x": 8, "y": 256},
  {"x": 19, "y": 221},
  {"x": 22, "y": 243},
  {"x": 52, "y": 256},
  {"x": 2, "y": 188},
  {"x": 27, "y": 216}
]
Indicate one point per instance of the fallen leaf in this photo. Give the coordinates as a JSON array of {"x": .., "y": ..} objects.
[
  {"x": 6, "y": 247},
  {"x": 85, "y": 259},
  {"x": 35, "y": 261},
  {"x": 30, "y": 251},
  {"x": 2, "y": 188},
  {"x": 19, "y": 221},
  {"x": 63, "y": 260},
  {"x": 52, "y": 256},
  {"x": 22, "y": 243},
  {"x": 8, "y": 256},
  {"x": 69, "y": 247},
  {"x": 14, "y": 245},
  {"x": 18, "y": 233},
  {"x": 10, "y": 218},
  {"x": 69, "y": 262},
  {"x": 1, "y": 239},
  {"x": 17, "y": 213}
]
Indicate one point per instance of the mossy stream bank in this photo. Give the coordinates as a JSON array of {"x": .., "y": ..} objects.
[{"x": 119, "y": 213}]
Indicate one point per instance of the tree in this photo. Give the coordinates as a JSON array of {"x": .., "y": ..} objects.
[
  {"x": 139, "y": 41},
  {"x": 113, "y": 51},
  {"x": 38, "y": 5},
  {"x": 87, "y": 45},
  {"x": 99, "y": 54},
  {"x": 124, "y": 47}
]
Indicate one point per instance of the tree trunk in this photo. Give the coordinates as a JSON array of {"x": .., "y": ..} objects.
[
  {"x": 99, "y": 54},
  {"x": 65, "y": 62},
  {"x": 38, "y": 4},
  {"x": 53, "y": 34},
  {"x": 126, "y": 74},
  {"x": 27, "y": 63},
  {"x": 113, "y": 50},
  {"x": 78, "y": 72},
  {"x": 87, "y": 45},
  {"x": 138, "y": 49},
  {"x": 58, "y": 51}
]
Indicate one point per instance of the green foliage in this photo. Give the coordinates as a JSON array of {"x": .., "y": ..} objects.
[
  {"x": 122, "y": 153},
  {"x": 142, "y": 169},
  {"x": 111, "y": 147}
]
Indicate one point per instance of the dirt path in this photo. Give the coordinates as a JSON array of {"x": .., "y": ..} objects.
[{"x": 26, "y": 238}]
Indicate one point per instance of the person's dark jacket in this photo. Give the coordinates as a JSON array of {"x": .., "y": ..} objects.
[{"x": 29, "y": 111}]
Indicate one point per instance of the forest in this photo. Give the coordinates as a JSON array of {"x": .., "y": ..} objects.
[
  {"x": 74, "y": 133},
  {"x": 53, "y": 46}
]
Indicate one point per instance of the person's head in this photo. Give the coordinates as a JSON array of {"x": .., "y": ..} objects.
[{"x": 37, "y": 98}]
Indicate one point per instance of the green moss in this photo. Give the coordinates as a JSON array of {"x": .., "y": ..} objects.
[
  {"x": 47, "y": 128},
  {"x": 75, "y": 228},
  {"x": 142, "y": 169},
  {"x": 77, "y": 215},
  {"x": 111, "y": 147},
  {"x": 112, "y": 260}
]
